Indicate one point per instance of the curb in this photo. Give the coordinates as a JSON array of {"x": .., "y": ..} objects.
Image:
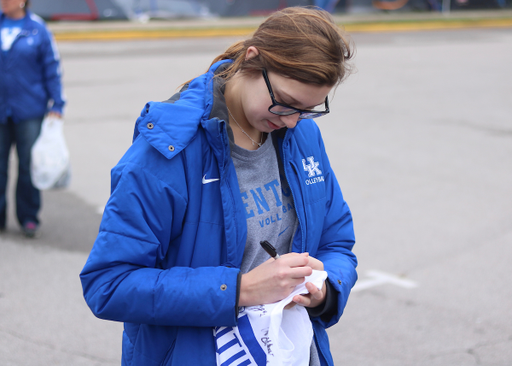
[
  {"x": 228, "y": 28},
  {"x": 401, "y": 26},
  {"x": 118, "y": 35}
]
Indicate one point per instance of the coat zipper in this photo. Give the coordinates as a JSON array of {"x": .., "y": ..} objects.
[{"x": 285, "y": 164}]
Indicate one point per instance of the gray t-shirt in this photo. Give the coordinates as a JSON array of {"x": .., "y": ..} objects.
[
  {"x": 269, "y": 208},
  {"x": 268, "y": 202}
]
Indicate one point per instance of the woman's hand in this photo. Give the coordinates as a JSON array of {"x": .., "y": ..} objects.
[
  {"x": 315, "y": 296},
  {"x": 311, "y": 300},
  {"x": 275, "y": 279},
  {"x": 54, "y": 114}
]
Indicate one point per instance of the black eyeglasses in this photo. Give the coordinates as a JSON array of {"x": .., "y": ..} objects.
[{"x": 285, "y": 110}]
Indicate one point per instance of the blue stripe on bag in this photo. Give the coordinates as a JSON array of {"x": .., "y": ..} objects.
[
  {"x": 233, "y": 358},
  {"x": 245, "y": 329}
]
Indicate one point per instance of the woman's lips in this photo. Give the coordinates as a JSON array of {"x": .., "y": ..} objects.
[{"x": 273, "y": 126}]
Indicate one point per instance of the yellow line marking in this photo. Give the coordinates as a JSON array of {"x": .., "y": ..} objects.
[
  {"x": 429, "y": 25},
  {"x": 109, "y": 35}
]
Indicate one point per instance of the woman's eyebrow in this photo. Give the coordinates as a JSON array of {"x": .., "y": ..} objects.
[
  {"x": 288, "y": 97},
  {"x": 295, "y": 101}
]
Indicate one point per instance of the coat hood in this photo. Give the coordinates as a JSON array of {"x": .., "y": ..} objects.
[{"x": 193, "y": 104}]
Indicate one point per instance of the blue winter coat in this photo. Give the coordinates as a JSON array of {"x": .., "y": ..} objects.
[
  {"x": 166, "y": 260},
  {"x": 30, "y": 75}
]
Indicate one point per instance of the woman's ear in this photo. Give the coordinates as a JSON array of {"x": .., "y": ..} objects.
[{"x": 251, "y": 53}]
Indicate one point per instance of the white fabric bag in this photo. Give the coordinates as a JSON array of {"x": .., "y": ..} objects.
[
  {"x": 50, "y": 167},
  {"x": 269, "y": 335}
]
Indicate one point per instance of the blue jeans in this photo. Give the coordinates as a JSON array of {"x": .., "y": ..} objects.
[
  {"x": 28, "y": 200},
  {"x": 328, "y": 5}
]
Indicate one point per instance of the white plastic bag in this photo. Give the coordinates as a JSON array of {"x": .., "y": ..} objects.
[
  {"x": 269, "y": 335},
  {"x": 50, "y": 167}
]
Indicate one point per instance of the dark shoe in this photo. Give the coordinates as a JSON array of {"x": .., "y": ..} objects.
[{"x": 29, "y": 229}]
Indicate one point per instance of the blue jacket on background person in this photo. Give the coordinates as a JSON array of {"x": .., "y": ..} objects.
[
  {"x": 30, "y": 74},
  {"x": 166, "y": 260}
]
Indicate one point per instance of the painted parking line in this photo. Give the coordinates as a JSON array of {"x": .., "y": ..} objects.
[{"x": 378, "y": 278}]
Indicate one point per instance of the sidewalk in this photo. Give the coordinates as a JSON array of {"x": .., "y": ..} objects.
[{"x": 233, "y": 27}]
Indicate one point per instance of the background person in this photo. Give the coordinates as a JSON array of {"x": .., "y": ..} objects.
[
  {"x": 232, "y": 159},
  {"x": 30, "y": 88}
]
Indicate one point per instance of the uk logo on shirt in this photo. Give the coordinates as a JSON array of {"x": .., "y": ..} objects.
[
  {"x": 313, "y": 170},
  {"x": 8, "y": 36}
]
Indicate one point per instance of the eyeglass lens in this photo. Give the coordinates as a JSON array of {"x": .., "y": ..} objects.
[{"x": 281, "y": 109}]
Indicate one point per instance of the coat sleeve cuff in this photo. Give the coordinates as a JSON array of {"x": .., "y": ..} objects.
[
  {"x": 328, "y": 308},
  {"x": 238, "y": 284}
]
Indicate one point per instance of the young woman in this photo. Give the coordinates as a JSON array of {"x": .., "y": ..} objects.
[
  {"x": 231, "y": 160},
  {"x": 29, "y": 79}
]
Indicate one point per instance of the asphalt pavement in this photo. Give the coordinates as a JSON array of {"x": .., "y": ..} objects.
[{"x": 420, "y": 140}]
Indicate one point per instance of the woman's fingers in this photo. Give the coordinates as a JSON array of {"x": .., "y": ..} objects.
[
  {"x": 311, "y": 300},
  {"x": 274, "y": 280},
  {"x": 315, "y": 263}
]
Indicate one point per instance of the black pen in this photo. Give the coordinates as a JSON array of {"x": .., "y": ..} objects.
[{"x": 269, "y": 248}]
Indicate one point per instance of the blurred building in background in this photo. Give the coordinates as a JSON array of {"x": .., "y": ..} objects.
[{"x": 143, "y": 10}]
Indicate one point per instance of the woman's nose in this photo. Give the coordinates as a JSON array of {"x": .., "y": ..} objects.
[{"x": 291, "y": 120}]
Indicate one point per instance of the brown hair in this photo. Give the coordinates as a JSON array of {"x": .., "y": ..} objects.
[{"x": 302, "y": 43}]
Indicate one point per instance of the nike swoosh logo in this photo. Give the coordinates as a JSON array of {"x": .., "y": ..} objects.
[
  {"x": 282, "y": 232},
  {"x": 206, "y": 181}
]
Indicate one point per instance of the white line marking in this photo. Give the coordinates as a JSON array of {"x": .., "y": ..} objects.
[{"x": 378, "y": 278}]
